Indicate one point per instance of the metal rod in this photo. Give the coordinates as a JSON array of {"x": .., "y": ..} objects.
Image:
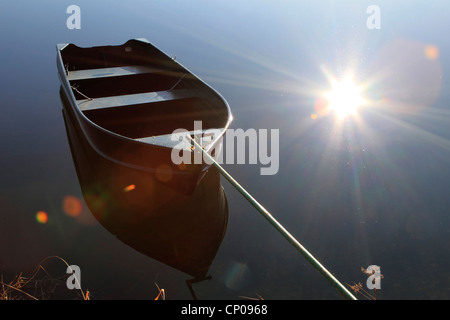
[{"x": 342, "y": 289}]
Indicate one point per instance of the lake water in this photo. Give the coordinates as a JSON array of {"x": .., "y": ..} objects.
[{"x": 369, "y": 189}]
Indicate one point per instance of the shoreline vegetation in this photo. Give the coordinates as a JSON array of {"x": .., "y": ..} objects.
[{"x": 41, "y": 285}]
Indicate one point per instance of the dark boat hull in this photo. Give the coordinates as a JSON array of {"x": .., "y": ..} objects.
[{"x": 181, "y": 231}]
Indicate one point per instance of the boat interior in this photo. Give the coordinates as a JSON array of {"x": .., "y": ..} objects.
[{"x": 137, "y": 91}]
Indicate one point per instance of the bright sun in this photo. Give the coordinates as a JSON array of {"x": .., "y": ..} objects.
[{"x": 344, "y": 98}]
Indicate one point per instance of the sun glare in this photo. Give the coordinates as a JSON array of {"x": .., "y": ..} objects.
[{"x": 344, "y": 98}]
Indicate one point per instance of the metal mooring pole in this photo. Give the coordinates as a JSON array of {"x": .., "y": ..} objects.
[{"x": 342, "y": 289}]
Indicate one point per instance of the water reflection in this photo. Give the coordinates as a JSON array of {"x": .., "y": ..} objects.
[{"x": 179, "y": 230}]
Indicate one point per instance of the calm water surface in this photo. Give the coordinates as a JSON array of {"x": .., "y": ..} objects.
[{"x": 369, "y": 189}]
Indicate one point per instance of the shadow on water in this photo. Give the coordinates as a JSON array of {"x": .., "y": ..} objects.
[{"x": 179, "y": 230}]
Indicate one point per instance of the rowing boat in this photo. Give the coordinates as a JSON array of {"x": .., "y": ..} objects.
[{"x": 129, "y": 99}]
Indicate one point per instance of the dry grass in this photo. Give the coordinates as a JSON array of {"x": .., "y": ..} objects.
[
  {"x": 358, "y": 287},
  {"x": 40, "y": 285},
  {"x": 161, "y": 293},
  {"x": 250, "y": 298}
]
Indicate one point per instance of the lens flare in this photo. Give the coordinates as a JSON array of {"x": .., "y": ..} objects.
[
  {"x": 72, "y": 206},
  {"x": 129, "y": 188},
  {"x": 344, "y": 98},
  {"x": 236, "y": 275},
  {"x": 431, "y": 52},
  {"x": 42, "y": 217}
]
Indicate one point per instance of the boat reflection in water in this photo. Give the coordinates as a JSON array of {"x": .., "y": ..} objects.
[{"x": 146, "y": 212}]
